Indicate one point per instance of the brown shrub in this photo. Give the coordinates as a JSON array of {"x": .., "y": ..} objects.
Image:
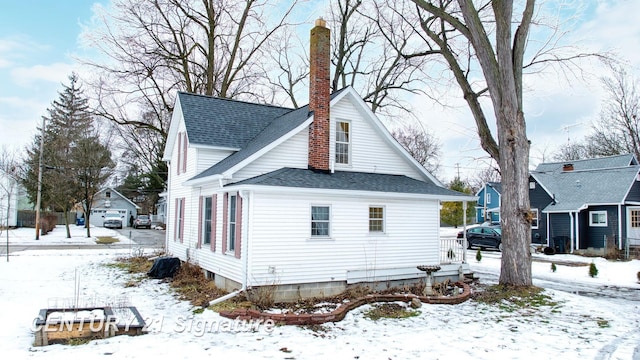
[{"x": 190, "y": 282}]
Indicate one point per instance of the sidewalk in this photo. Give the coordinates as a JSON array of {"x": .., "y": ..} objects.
[{"x": 58, "y": 236}]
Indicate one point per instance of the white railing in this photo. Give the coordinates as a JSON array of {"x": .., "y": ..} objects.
[{"x": 452, "y": 251}]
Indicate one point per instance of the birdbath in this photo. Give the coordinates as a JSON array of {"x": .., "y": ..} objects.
[{"x": 429, "y": 269}]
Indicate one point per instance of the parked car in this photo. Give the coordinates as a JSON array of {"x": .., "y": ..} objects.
[
  {"x": 142, "y": 221},
  {"x": 484, "y": 236},
  {"x": 112, "y": 221}
]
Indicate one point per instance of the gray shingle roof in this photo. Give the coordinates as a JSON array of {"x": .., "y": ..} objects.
[
  {"x": 497, "y": 186},
  {"x": 346, "y": 180},
  {"x": 223, "y": 122},
  {"x": 576, "y": 189},
  {"x": 278, "y": 128},
  {"x": 590, "y": 164}
]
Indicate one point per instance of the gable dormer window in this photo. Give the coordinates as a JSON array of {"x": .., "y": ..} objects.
[{"x": 343, "y": 142}]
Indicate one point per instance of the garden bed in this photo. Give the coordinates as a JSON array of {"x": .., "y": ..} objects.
[{"x": 461, "y": 294}]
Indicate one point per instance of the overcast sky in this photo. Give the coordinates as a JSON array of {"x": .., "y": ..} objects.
[{"x": 39, "y": 39}]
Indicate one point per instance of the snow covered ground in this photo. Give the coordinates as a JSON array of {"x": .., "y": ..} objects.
[{"x": 580, "y": 327}]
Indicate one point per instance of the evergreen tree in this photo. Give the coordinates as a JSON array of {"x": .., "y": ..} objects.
[
  {"x": 451, "y": 212},
  {"x": 70, "y": 145}
]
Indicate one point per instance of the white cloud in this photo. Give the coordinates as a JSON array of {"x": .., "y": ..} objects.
[{"x": 27, "y": 76}]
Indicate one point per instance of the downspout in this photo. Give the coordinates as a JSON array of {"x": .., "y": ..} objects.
[
  {"x": 244, "y": 250},
  {"x": 571, "y": 231},
  {"x": 619, "y": 227},
  {"x": 548, "y": 227}
]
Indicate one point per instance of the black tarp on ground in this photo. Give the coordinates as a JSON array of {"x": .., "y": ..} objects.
[{"x": 164, "y": 267}]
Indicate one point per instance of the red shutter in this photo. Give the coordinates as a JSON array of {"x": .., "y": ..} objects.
[
  {"x": 238, "y": 238},
  {"x": 179, "y": 153},
  {"x": 182, "y": 221},
  {"x": 184, "y": 152},
  {"x": 214, "y": 221},
  {"x": 199, "y": 223},
  {"x": 225, "y": 205},
  {"x": 175, "y": 223}
]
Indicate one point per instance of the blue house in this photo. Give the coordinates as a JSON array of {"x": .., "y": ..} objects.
[
  {"x": 587, "y": 204},
  {"x": 488, "y": 205}
]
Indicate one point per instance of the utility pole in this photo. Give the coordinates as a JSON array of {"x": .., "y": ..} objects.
[{"x": 39, "y": 196}]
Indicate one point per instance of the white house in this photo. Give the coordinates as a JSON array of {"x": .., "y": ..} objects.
[
  {"x": 108, "y": 199},
  {"x": 309, "y": 199}
]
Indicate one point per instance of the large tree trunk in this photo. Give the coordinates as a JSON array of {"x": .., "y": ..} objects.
[{"x": 515, "y": 214}]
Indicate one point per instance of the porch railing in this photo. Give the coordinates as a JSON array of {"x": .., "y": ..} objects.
[{"x": 451, "y": 251}]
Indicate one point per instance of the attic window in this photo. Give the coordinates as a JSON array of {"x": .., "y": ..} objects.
[
  {"x": 343, "y": 141},
  {"x": 532, "y": 185},
  {"x": 107, "y": 194}
]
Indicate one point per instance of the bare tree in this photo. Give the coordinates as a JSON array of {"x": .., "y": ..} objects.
[
  {"x": 491, "y": 173},
  {"x": 9, "y": 177},
  {"x": 618, "y": 129},
  {"x": 463, "y": 33},
  {"x": 421, "y": 145},
  {"x": 151, "y": 49}
]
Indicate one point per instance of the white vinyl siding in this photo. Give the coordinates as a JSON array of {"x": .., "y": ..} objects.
[
  {"x": 294, "y": 256},
  {"x": 369, "y": 151},
  {"x": 291, "y": 153}
]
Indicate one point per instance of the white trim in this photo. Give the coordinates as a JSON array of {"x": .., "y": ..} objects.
[
  {"x": 537, "y": 217},
  {"x": 382, "y": 130},
  {"x": 349, "y": 193},
  {"x": 384, "y": 220},
  {"x": 599, "y": 212},
  {"x": 329, "y": 221}
]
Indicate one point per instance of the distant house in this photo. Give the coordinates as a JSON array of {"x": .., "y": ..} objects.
[
  {"x": 311, "y": 199},
  {"x": 586, "y": 204},
  {"x": 108, "y": 199},
  {"x": 488, "y": 205}
]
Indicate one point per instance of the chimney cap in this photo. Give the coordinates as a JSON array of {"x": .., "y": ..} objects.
[{"x": 320, "y": 22}]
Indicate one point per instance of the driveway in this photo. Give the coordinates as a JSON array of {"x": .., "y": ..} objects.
[{"x": 144, "y": 237}]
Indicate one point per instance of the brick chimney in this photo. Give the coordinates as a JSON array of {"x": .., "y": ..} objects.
[
  {"x": 567, "y": 167},
  {"x": 319, "y": 54}
]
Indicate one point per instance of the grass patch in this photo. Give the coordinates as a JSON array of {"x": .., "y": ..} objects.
[
  {"x": 512, "y": 298},
  {"x": 133, "y": 265},
  {"x": 105, "y": 240},
  {"x": 390, "y": 311}
]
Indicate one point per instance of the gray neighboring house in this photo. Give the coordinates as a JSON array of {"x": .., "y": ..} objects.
[
  {"x": 109, "y": 199},
  {"x": 586, "y": 205}
]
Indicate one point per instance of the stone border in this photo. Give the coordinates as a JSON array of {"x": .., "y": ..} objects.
[{"x": 342, "y": 310}]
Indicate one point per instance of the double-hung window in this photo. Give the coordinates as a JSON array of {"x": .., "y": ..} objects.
[
  {"x": 208, "y": 206},
  {"x": 320, "y": 221},
  {"x": 231, "y": 233},
  {"x": 343, "y": 142},
  {"x": 376, "y": 219},
  {"x": 534, "y": 218}
]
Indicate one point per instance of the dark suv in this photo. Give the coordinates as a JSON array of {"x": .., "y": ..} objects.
[
  {"x": 484, "y": 236},
  {"x": 142, "y": 221}
]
